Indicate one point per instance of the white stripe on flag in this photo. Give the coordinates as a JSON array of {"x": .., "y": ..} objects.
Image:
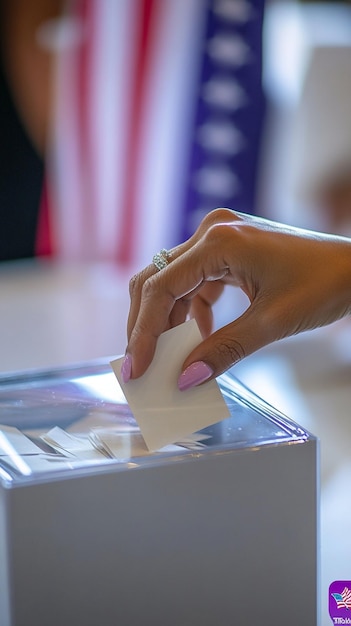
[
  {"x": 64, "y": 165},
  {"x": 110, "y": 98}
]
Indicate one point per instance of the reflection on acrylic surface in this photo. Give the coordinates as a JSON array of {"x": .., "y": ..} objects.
[{"x": 78, "y": 418}]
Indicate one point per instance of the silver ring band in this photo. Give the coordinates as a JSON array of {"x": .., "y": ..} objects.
[{"x": 160, "y": 260}]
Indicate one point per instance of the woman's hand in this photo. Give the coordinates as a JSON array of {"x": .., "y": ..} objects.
[{"x": 295, "y": 280}]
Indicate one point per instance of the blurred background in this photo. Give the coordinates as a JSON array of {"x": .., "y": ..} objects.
[{"x": 122, "y": 123}]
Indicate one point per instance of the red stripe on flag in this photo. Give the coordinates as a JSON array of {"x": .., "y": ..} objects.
[
  {"x": 146, "y": 10},
  {"x": 43, "y": 242}
]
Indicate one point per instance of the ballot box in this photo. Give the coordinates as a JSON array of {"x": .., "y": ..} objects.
[{"x": 217, "y": 530}]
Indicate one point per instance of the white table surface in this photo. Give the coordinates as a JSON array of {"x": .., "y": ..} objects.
[{"x": 52, "y": 314}]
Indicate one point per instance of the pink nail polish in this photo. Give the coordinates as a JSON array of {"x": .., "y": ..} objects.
[
  {"x": 195, "y": 374},
  {"x": 126, "y": 368}
]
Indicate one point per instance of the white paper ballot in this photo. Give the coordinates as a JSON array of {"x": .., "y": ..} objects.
[
  {"x": 165, "y": 414},
  {"x": 13, "y": 441},
  {"x": 128, "y": 445},
  {"x": 71, "y": 445}
]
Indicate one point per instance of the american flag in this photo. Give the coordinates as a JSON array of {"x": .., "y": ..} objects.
[
  {"x": 343, "y": 599},
  {"x": 158, "y": 113}
]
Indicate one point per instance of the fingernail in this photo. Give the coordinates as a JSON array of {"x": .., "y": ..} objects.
[
  {"x": 195, "y": 374},
  {"x": 126, "y": 368}
]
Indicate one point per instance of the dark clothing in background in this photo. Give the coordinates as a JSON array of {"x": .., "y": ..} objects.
[{"x": 21, "y": 180}]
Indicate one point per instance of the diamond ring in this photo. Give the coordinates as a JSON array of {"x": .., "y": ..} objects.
[{"x": 160, "y": 260}]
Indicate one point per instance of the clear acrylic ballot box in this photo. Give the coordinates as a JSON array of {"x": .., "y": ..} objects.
[{"x": 218, "y": 530}]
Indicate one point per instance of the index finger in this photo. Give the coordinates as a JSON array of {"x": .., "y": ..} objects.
[
  {"x": 181, "y": 279},
  {"x": 136, "y": 287},
  {"x": 137, "y": 282}
]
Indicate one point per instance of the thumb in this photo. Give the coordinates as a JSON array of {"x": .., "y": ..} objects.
[{"x": 225, "y": 347}]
